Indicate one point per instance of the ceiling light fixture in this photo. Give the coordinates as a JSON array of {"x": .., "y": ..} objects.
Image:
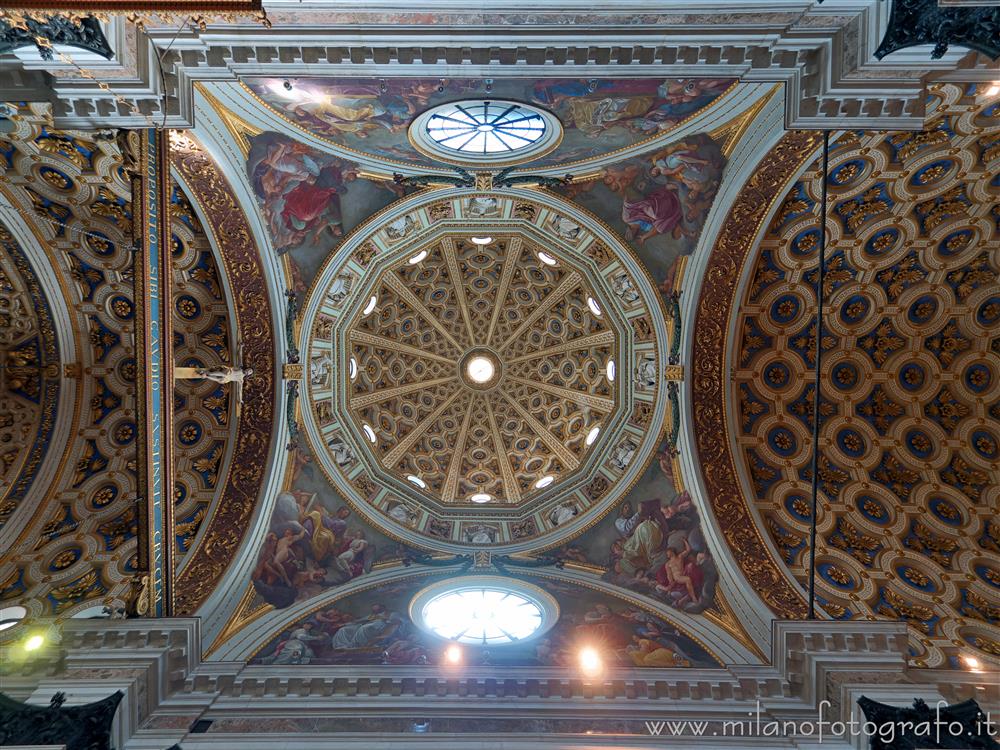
[
  {"x": 480, "y": 240},
  {"x": 480, "y": 497},
  {"x": 34, "y": 643},
  {"x": 413, "y": 479},
  {"x": 417, "y": 258},
  {"x": 610, "y": 370},
  {"x": 971, "y": 662},
  {"x": 370, "y": 306},
  {"x": 594, "y": 307},
  {"x": 546, "y": 258},
  {"x": 283, "y": 89},
  {"x": 353, "y": 368},
  {"x": 592, "y": 435},
  {"x": 369, "y": 432},
  {"x": 453, "y": 655},
  {"x": 993, "y": 89},
  {"x": 544, "y": 481}
]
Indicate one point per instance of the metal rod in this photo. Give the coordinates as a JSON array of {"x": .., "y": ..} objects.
[{"x": 816, "y": 399}]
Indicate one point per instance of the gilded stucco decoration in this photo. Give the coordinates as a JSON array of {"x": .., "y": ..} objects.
[
  {"x": 29, "y": 375},
  {"x": 204, "y": 411},
  {"x": 78, "y": 547},
  {"x": 910, "y": 397},
  {"x": 573, "y": 400},
  {"x": 227, "y": 225}
]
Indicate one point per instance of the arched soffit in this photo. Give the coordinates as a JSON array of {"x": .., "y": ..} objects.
[
  {"x": 74, "y": 545},
  {"x": 908, "y": 470},
  {"x": 369, "y": 119},
  {"x": 241, "y": 264},
  {"x": 206, "y": 416},
  {"x": 30, "y": 373},
  {"x": 590, "y": 612}
]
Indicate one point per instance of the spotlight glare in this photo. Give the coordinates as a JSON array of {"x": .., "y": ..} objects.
[
  {"x": 993, "y": 89},
  {"x": 971, "y": 662},
  {"x": 34, "y": 643},
  {"x": 590, "y": 661},
  {"x": 453, "y": 655}
]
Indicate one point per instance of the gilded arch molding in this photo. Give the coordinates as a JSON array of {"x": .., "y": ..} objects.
[
  {"x": 735, "y": 241},
  {"x": 242, "y": 264}
]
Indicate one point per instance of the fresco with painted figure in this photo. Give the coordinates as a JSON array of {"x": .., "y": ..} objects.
[
  {"x": 653, "y": 543},
  {"x": 314, "y": 541},
  {"x": 658, "y": 201},
  {"x": 309, "y": 199},
  {"x": 599, "y": 115},
  {"x": 374, "y": 627}
]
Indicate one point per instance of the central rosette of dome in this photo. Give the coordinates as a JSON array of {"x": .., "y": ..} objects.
[{"x": 483, "y": 369}]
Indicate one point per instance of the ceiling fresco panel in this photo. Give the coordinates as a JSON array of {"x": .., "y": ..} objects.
[
  {"x": 375, "y": 627},
  {"x": 599, "y": 115}
]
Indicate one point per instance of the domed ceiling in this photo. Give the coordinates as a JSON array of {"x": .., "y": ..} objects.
[
  {"x": 493, "y": 374},
  {"x": 908, "y": 474},
  {"x": 484, "y": 367}
]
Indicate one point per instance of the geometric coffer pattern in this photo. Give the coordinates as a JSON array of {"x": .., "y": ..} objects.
[
  {"x": 909, "y": 516},
  {"x": 203, "y": 409},
  {"x": 77, "y": 548}
]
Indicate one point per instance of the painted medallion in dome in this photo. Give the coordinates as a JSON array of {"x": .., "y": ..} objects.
[{"x": 484, "y": 369}]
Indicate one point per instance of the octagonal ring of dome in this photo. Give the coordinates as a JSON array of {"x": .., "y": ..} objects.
[{"x": 483, "y": 369}]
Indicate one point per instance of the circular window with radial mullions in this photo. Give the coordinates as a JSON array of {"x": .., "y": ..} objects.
[
  {"x": 484, "y": 610},
  {"x": 482, "y": 131}
]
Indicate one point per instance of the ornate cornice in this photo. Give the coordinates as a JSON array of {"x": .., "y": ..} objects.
[
  {"x": 759, "y": 43},
  {"x": 242, "y": 264},
  {"x": 736, "y": 239}
]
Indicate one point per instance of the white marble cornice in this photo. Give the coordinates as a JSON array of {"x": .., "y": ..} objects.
[{"x": 823, "y": 54}]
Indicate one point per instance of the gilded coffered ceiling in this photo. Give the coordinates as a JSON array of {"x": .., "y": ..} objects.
[{"x": 908, "y": 474}]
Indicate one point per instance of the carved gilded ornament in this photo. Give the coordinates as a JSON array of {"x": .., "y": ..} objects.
[
  {"x": 241, "y": 263},
  {"x": 908, "y": 473}
]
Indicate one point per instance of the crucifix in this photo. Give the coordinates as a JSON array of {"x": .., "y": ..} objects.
[{"x": 235, "y": 375}]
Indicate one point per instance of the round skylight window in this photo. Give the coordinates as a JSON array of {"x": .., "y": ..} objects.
[
  {"x": 484, "y": 610},
  {"x": 485, "y": 131}
]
